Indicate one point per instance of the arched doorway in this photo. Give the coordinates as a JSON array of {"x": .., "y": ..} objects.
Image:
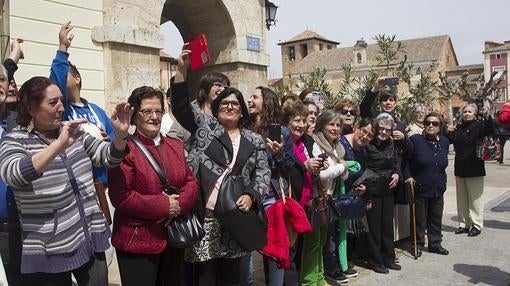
[
  {"x": 131, "y": 41},
  {"x": 227, "y": 33}
]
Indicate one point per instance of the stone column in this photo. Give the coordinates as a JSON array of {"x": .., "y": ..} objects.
[{"x": 131, "y": 41}]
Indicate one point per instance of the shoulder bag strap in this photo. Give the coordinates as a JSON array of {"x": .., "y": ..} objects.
[{"x": 152, "y": 161}]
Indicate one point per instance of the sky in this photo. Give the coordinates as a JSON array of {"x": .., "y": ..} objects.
[{"x": 469, "y": 23}]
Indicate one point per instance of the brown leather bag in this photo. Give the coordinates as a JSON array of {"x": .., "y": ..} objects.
[
  {"x": 318, "y": 212},
  {"x": 103, "y": 202}
]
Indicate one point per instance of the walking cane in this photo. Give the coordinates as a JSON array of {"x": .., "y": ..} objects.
[{"x": 413, "y": 209}]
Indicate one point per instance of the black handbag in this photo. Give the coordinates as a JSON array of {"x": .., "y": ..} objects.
[
  {"x": 184, "y": 230},
  {"x": 348, "y": 206},
  {"x": 247, "y": 228}
]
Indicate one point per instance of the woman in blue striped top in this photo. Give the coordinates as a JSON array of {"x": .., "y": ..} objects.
[{"x": 48, "y": 165}]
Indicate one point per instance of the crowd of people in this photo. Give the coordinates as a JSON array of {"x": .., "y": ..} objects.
[{"x": 61, "y": 157}]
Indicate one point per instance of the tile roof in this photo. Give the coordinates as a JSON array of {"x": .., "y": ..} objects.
[
  {"x": 417, "y": 50},
  {"x": 467, "y": 67},
  {"x": 500, "y": 48},
  {"x": 306, "y": 35}
]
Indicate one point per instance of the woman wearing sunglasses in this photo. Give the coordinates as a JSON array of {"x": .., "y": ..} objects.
[
  {"x": 427, "y": 159},
  {"x": 347, "y": 108}
]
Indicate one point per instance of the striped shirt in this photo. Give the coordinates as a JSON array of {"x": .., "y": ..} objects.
[{"x": 62, "y": 224}]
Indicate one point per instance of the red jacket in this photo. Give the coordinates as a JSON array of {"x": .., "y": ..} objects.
[
  {"x": 137, "y": 194},
  {"x": 504, "y": 115},
  {"x": 282, "y": 217}
]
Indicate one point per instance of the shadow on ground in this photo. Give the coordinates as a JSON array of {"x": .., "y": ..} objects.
[
  {"x": 496, "y": 224},
  {"x": 487, "y": 275}
]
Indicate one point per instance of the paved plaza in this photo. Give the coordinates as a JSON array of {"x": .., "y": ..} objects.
[{"x": 481, "y": 260}]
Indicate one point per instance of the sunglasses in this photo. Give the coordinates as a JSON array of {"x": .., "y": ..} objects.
[
  {"x": 434, "y": 123},
  {"x": 350, "y": 111}
]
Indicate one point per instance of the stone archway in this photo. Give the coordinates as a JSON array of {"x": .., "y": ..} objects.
[
  {"x": 226, "y": 24},
  {"x": 131, "y": 41}
]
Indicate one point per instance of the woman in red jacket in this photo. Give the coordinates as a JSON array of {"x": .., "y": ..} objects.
[{"x": 142, "y": 209}]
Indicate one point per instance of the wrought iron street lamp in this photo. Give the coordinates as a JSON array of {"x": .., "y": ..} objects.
[{"x": 270, "y": 14}]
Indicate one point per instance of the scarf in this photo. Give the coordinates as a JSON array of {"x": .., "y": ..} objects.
[
  {"x": 328, "y": 149},
  {"x": 306, "y": 190}
]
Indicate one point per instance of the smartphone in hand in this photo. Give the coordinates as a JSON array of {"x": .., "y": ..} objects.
[
  {"x": 274, "y": 132},
  {"x": 391, "y": 81},
  {"x": 323, "y": 157}
]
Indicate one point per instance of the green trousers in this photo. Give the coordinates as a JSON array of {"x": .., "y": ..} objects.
[{"x": 312, "y": 268}]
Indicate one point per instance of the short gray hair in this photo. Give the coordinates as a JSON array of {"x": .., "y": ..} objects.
[
  {"x": 472, "y": 104},
  {"x": 385, "y": 118}
]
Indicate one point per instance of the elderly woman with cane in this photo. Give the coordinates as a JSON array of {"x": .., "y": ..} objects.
[{"x": 427, "y": 158}]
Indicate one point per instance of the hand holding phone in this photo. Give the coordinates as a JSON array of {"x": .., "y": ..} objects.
[
  {"x": 274, "y": 132},
  {"x": 391, "y": 81},
  {"x": 323, "y": 157}
]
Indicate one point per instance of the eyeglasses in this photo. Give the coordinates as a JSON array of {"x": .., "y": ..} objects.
[
  {"x": 313, "y": 113},
  {"x": 345, "y": 111},
  {"x": 148, "y": 113},
  {"x": 234, "y": 104},
  {"x": 384, "y": 130},
  {"x": 434, "y": 123},
  {"x": 219, "y": 85}
]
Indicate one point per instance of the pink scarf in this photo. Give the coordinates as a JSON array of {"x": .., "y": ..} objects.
[{"x": 306, "y": 191}]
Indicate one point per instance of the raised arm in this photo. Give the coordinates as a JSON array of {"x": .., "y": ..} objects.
[
  {"x": 11, "y": 63},
  {"x": 369, "y": 98},
  {"x": 190, "y": 118},
  {"x": 60, "y": 65}
]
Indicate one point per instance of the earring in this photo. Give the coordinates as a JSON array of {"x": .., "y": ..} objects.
[{"x": 30, "y": 125}]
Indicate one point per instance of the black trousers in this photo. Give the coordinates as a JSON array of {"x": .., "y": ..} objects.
[
  {"x": 10, "y": 249},
  {"x": 218, "y": 272},
  {"x": 166, "y": 268},
  {"x": 330, "y": 251},
  {"x": 92, "y": 273},
  {"x": 429, "y": 216},
  {"x": 381, "y": 250}
]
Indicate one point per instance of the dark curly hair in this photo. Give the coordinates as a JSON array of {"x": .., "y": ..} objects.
[
  {"x": 270, "y": 111},
  {"x": 140, "y": 93},
  {"x": 205, "y": 84},
  {"x": 31, "y": 94}
]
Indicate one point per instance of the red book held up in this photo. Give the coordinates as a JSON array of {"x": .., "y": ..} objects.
[{"x": 199, "y": 52}]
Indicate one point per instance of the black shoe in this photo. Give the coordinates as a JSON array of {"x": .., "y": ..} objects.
[
  {"x": 335, "y": 278},
  {"x": 439, "y": 250},
  {"x": 350, "y": 273},
  {"x": 393, "y": 266},
  {"x": 462, "y": 230},
  {"x": 474, "y": 231},
  {"x": 380, "y": 269}
]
